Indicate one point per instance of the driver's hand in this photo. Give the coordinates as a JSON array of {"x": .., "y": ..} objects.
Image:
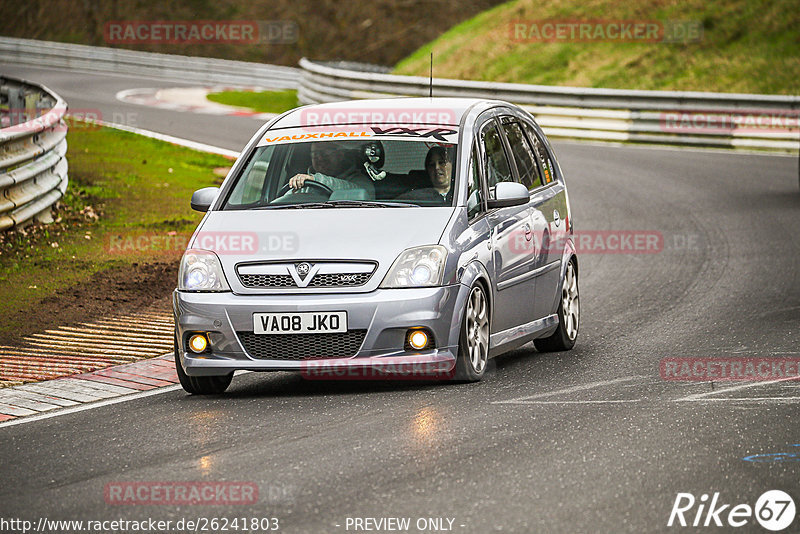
[{"x": 297, "y": 180}]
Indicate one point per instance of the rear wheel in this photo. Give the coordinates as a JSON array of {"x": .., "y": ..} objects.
[
  {"x": 200, "y": 385},
  {"x": 473, "y": 346},
  {"x": 569, "y": 316}
]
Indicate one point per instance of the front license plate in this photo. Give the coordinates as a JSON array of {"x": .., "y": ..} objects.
[{"x": 300, "y": 323}]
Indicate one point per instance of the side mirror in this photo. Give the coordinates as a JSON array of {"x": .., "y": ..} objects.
[
  {"x": 508, "y": 194},
  {"x": 203, "y": 198}
]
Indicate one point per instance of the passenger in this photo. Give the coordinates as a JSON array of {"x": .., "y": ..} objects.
[
  {"x": 335, "y": 169},
  {"x": 440, "y": 173}
]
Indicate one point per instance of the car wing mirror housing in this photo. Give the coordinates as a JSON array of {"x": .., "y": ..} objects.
[
  {"x": 508, "y": 194},
  {"x": 203, "y": 198}
]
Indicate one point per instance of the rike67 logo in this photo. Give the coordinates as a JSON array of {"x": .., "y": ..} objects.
[{"x": 774, "y": 510}]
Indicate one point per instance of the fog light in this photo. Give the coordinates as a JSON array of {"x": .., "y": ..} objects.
[
  {"x": 198, "y": 343},
  {"x": 418, "y": 339}
]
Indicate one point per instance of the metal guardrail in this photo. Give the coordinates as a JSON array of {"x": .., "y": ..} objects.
[
  {"x": 664, "y": 117},
  {"x": 120, "y": 61},
  {"x": 33, "y": 147}
]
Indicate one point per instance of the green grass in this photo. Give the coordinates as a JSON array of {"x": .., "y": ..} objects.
[
  {"x": 261, "y": 102},
  {"x": 122, "y": 186},
  {"x": 747, "y": 46}
]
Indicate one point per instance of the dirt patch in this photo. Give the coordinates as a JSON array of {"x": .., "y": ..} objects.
[{"x": 115, "y": 291}]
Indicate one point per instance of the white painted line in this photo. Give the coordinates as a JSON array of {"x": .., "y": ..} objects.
[
  {"x": 15, "y": 411},
  {"x": 41, "y": 398},
  {"x": 18, "y": 400},
  {"x": 80, "y": 359},
  {"x": 748, "y": 399},
  {"x": 105, "y": 386},
  {"x": 78, "y": 336},
  {"x": 80, "y": 354},
  {"x": 35, "y": 363},
  {"x": 90, "y": 406},
  {"x": 50, "y": 389},
  {"x": 572, "y": 389},
  {"x": 174, "y": 140},
  {"x": 86, "y": 332},
  {"x": 573, "y": 402},
  {"x": 91, "y": 387},
  {"x": 91, "y": 345},
  {"x": 167, "y": 321},
  {"x": 122, "y": 323},
  {"x": 102, "y": 348},
  {"x": 165, "y": 314},
  {"x": 701, "y": 396}
]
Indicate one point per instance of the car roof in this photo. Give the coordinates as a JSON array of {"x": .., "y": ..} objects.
[{"x": 449, "y": 110}]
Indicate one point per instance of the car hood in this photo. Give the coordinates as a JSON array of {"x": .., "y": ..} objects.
[{"x": 376, "y": 235}]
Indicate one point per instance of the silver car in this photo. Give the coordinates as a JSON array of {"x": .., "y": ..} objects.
[{"x": 398, "y": 238}]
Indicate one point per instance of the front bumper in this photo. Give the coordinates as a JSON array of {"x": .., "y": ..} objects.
[{"x": 385, "y": 314}]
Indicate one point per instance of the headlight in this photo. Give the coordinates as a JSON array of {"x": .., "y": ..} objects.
[
  {"x": 201, "y": 270},
  {"x": 417, "y": 267}
]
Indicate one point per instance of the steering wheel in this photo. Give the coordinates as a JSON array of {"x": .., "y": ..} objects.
[{"x": 313, "y": 183}]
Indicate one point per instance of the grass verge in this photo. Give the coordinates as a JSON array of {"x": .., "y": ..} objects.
[
  {"x": 259, "y": 101},
  {"x": 118, "y": 233},
  {"x": 746, "y": 46}
]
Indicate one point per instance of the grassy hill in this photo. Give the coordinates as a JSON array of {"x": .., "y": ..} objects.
[
  {"x": 747, "y": 46},
  {"x": 371, "y": 31}
]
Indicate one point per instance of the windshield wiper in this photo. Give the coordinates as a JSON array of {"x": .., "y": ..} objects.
[
  {"x": 309, "y": 205},
  {"x": 370, "y": 204},
  {"x": 338, "y": 204}
]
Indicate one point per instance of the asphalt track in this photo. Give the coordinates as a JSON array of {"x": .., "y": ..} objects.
[{"x": 592, "y": 440}]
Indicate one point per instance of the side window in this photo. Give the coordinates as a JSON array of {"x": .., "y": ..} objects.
[
  {"x": 548, "y": 170},
  {"x": 249, "y": 189},
  {"x": 523, "y": 156},
  {"x": 474, "y": 196},
  {"x": 495, "y": 165}
]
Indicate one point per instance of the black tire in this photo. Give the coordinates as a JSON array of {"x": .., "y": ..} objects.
[
  {"x": 200, "y": 385},
  {"x": 473, "y": 352},
  {"x": 565, "y": 336}
]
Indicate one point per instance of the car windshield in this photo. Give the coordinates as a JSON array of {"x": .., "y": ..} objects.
[{"x": 346, "y": 173}]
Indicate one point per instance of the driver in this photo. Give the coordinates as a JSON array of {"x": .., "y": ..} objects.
[{"x": 334, "y": 169}]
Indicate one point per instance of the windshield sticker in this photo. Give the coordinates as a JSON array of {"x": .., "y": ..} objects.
[
  {"x": 306, "y": 137},
  {"x": 447, "y": 135},
  {"x": 436, "y": 133}
]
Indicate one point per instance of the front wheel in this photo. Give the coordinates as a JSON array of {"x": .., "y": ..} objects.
[
  {"x": 569, "y": 316},
  {"x": 200, "y": 385},
  {"x": 473, "y": 345}
]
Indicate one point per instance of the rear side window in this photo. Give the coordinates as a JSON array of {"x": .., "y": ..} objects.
[
  {"x": 523, "y": 156},
  {"x": 495, "y": 165},
  {"x": 548, "y": 169}
]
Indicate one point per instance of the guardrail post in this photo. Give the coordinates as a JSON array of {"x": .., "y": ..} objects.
[{"x": 16, "y": 105}]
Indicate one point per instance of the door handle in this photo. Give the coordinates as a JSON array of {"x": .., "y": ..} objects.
[
  {"x": 528, "y": 232},
  {"x": 556, "y": 217}
]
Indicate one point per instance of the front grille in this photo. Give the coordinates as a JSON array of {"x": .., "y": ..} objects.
[
  {"x": 302, "y": 346},
  {"x": 320, "y": 280},
  {"x": 266, "y": 280},
  {"x": 340, "y": 279}
]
